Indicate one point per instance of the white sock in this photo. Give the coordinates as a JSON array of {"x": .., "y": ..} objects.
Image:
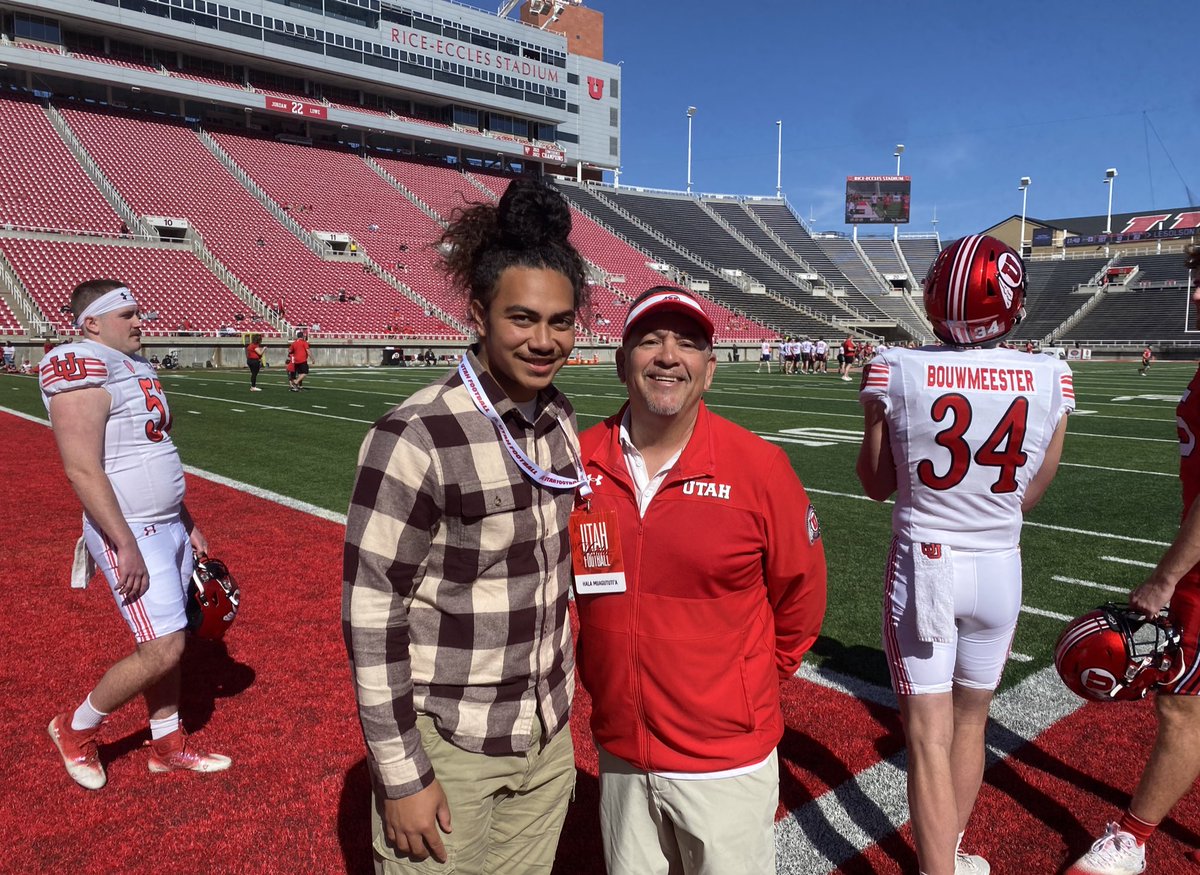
[
  {"x": 162, "y": 728},
  {"x": 86, "y": 716}
]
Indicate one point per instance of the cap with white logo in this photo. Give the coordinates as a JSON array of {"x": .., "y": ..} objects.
[{"x": 668, "y": 299}]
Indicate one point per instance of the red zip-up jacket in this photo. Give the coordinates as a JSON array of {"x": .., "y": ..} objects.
[{"x": 725, "y": 591}]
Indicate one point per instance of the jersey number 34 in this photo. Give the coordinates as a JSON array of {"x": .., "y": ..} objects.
[{"x": 1001, "y": 450}]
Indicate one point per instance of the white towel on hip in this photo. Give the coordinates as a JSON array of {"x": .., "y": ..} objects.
[
  {"x": 83, "y": 566},
  {"x": 933, "y": 592}
]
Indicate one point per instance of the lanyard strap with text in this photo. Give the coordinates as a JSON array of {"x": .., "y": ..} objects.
[{"x": 532, "y": 469}]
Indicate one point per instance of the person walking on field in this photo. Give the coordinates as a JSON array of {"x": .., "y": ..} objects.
[{"x": 298, "y": 351}]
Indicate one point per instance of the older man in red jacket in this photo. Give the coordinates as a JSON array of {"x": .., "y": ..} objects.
[{"x": 700, "y": 581}]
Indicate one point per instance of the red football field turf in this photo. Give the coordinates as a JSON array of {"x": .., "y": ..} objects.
[{"x": 277, "y": 698}]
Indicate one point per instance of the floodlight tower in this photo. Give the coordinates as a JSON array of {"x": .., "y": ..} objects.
[
  {"x": 1024, "y": 189},
  {"x": 1110, "y": 176},
  {"x": 899, "y": 151},
  {"x": 779, "y": 162},
  {"x": 691, "y": 113}
]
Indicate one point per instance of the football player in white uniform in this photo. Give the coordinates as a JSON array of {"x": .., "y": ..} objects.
[
  {"x": 968, "y": 437},
  {"x": 112, "y": 425}
]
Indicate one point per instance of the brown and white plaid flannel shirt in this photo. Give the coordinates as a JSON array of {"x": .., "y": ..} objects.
[{"x": 455, "y": 573}]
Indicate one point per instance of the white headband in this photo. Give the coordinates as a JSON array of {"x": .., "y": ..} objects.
[{"x": 118, "y": 299}]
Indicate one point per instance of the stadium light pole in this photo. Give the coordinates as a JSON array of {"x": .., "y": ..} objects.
[
  {"x": 691, "y": 113},
  {"x": 1109, "y": 176},
  {"x": 895, "y": 228},
  {"x": 1024, "y": 187},
  {"x": 779, "y": 161}
]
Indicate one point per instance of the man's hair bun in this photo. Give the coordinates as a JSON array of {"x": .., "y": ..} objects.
[{"x": 532, "y": 215}]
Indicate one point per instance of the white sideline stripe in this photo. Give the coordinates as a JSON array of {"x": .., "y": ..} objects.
[
  {"x": 1121, "y": 470},
  {"x": 1110, "y": 535},
  {"x": 1089, "y": 583},
  {"x": 1020, "y": 657},
  {"x": 1136, "y": 562},
  {"x": 294, "y": 504},
  {"x": 274, "y": 407},
  {"x": 821, "y": 835},
  {"x": 1053, "y": 615},
  {"x": 27, "y": 417}
]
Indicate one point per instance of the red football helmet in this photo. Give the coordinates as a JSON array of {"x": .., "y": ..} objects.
[
  {"x": 1115, "y": 654},
  {"x": 975, "y": 291},
  {"x": 212, "y": 600}
]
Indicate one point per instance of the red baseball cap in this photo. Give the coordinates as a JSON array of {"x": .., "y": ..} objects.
[{"x": 662, "y": 299}]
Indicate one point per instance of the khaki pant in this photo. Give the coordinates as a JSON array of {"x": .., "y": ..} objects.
[
  {"x": 506, "y": 812},
  {"x": 662, "y": 826}
]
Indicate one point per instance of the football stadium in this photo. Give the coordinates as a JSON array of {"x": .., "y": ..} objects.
[{"x": 260, "y": 168}]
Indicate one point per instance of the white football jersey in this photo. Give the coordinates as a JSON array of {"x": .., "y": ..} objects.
[
  {"x": 822, "y": 347},
  {"x": 969, "y": 429},
  {"x": 139, "y": 457},
  {"x": 806, "y": 347}
]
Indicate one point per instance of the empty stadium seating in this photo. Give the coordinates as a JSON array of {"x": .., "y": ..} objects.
[
  {"x": 882, "y": 254},
  {"x": 42, "y": 186},
  {"x": 1143, "y": 315},
  {"x": 920, "y": 251},
  {"x": 162, "y": 168},
  {"x": 170, "y": 283},
  {"x": 760, "y": 308},
  {"x": 442, "y": 188},
  {"x": 1166, "y": 269},
  {"x": 9, "y": 323},
  {"x": 1051, "y": 296},
  {"x": 336, "y": 191}
]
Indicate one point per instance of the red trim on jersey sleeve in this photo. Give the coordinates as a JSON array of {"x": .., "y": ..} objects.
[
  {"x": 71, "y": 371},
  {"x": 1068, "y": 386}
]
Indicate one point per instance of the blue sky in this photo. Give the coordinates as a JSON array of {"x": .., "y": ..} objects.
[{"x": 980, "y": 94}]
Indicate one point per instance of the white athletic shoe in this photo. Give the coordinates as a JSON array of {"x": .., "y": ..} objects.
[
  {"x": 1114, "y": 853},
  {"x": 970, "y": 864}
]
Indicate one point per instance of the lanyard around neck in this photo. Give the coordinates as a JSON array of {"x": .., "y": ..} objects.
[{"x": 532, "y": 469}]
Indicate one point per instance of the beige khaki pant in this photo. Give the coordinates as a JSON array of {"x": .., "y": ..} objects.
[
  {"x": 506, "y": 812},
  {"x": 661, "y": 826}
]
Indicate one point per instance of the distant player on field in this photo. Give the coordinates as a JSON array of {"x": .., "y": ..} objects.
[
  {"x": 1174, "y": 761},
  {"x": 1147, "y": 358},
  {"x": 846, "y": 358},
  {"x": 112, "y": 424},
  {"x": 764, "y": 357},
  {"x": 968, "y": 437},
  {"x": 298, "y": 352}
]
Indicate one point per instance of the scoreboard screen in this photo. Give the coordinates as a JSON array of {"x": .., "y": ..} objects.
[{"x": 878, "y": 200}]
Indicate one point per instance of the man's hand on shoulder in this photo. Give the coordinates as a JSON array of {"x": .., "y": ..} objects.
[{"x": 411, "y": 824}]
